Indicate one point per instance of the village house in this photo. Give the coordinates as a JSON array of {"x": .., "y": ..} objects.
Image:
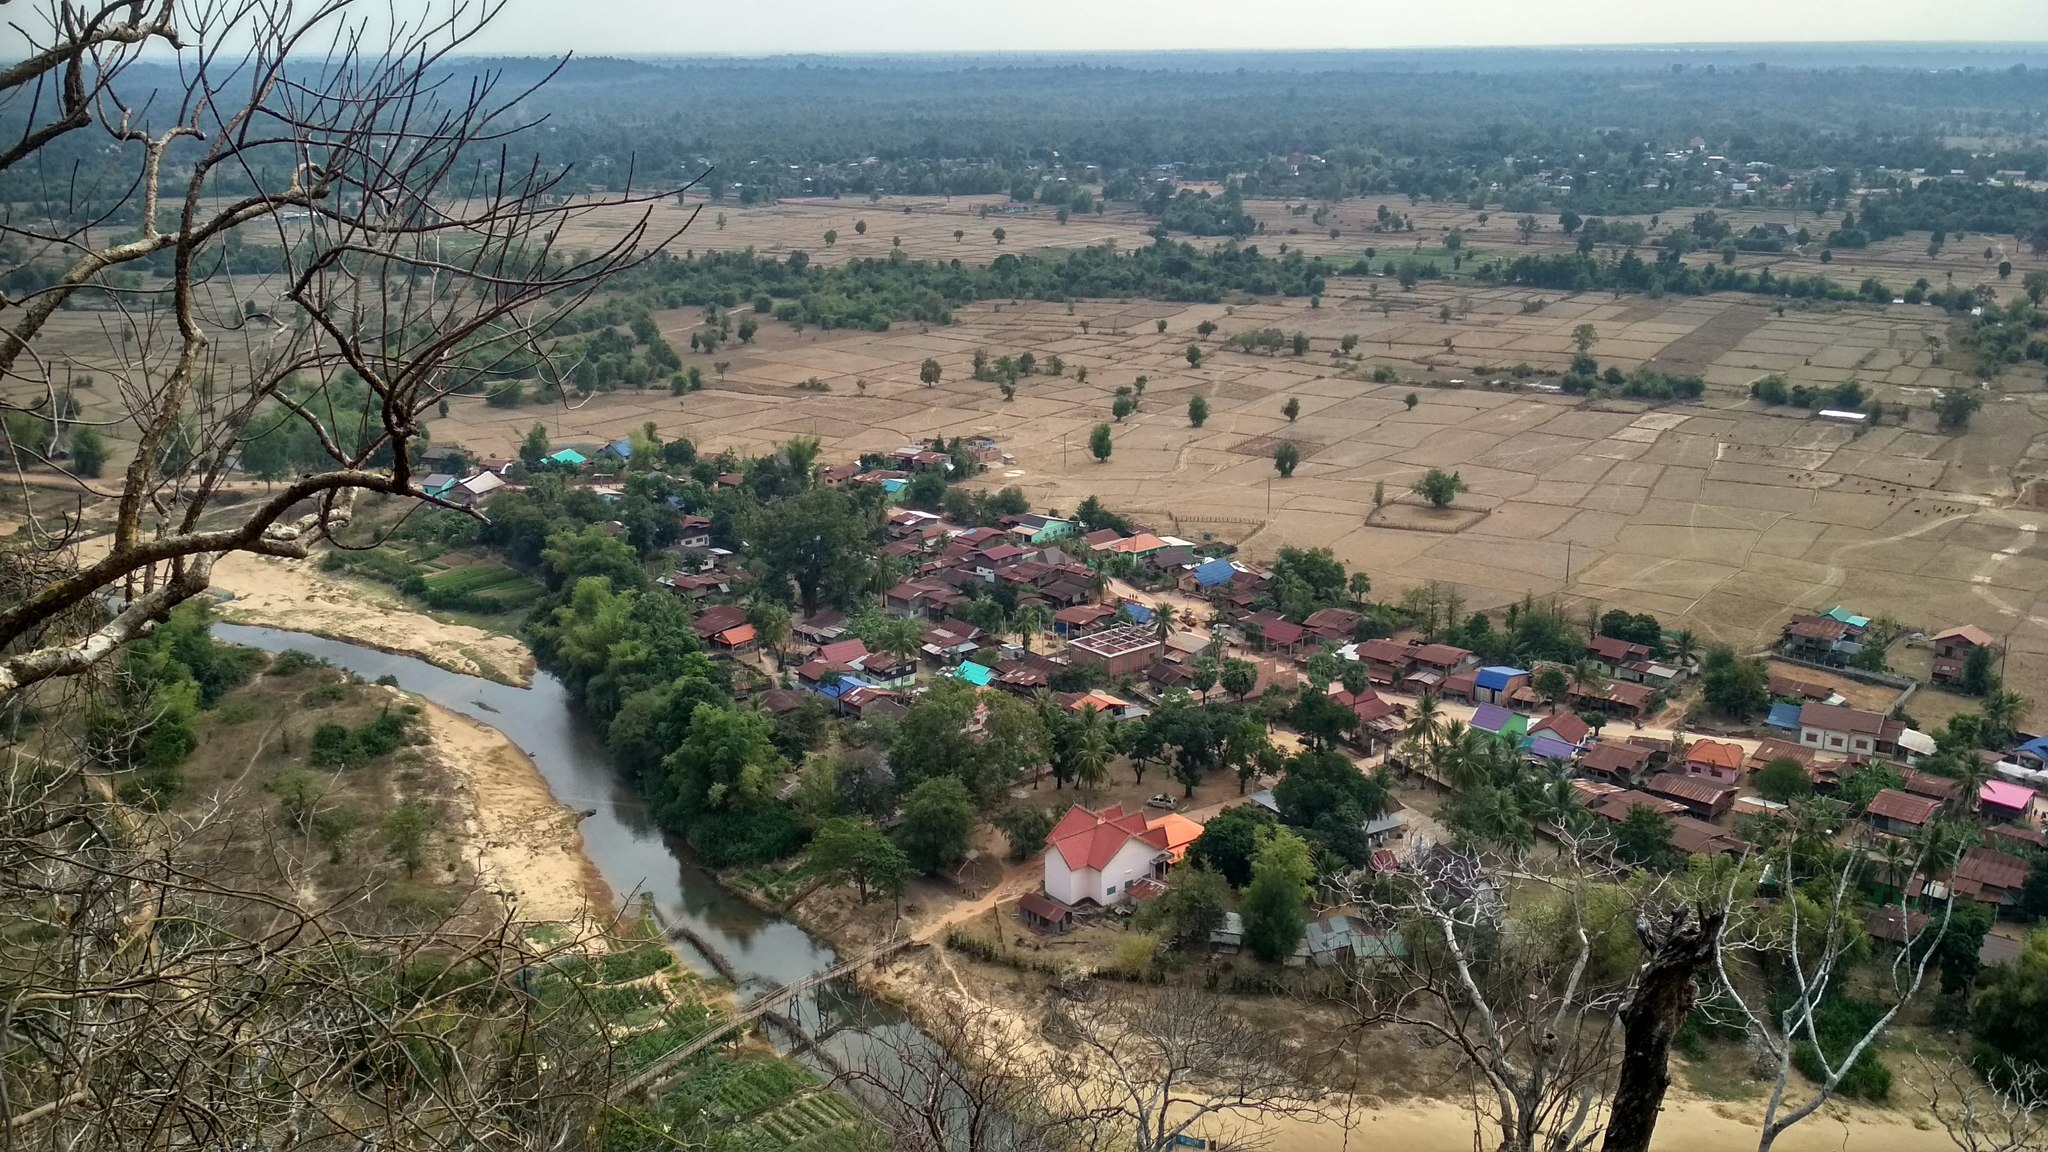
[
  {"x": 1497, "y": 684},
  {"x": 1096, "y": 857},
  {"x": 1623, "y": 764},
  {"x": 1703, "y": 797},
  {"x": 1616, "y": 698},
  {"x": 2004, "y": 802},
  {"x": 1900, "y": 813},
  {"x": 1613, "y": 654},
  {"x": 1716, "y": 759},
  {"x": 1952, "y": 650},
  {"x": 1116, "y": 651},
  {"x": 1336, "y": 624},
  {"x": 1815, "y": 639},
  {"x": 1850, "y": 731}
]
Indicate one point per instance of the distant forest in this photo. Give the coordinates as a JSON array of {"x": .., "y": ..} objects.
[{"x": 1436, "y": 125}]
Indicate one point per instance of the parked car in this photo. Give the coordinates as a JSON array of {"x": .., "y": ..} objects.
[{"x": 1161, "y": 800}]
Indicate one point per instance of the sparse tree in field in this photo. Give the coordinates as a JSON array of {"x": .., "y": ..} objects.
[
  {"x": 1584, "y": 337},
  {"x": 1299, "y": 343},
  {"x": 1379, "y": 493},
  {"x": 1528, "y": 227},
  {"x": 831, "y": 237},
  {"x": 1286, "y": 458},
  {"x": 1439, "y": 487},
  {"x": 1122, "y": 406},
  {"x": 1000, "y": 235},
  {"x": 747, "y": 329},
  {"x": 377, "y": 320},
  {"x": 860, "y": 227},
  {"x": 1138, "y": 385},
  {"x": 1291, "y": 409},
  {"x": 1205, "y": 329},
  {"x": 720, "y": 367},
  {"x": 1008, "y": 390},
  {"x": 88, "y": 453},
  {"x": 1099, "y": 443},
  {"x": 1952, "y": 411},
  {"x": 1194, "y": 356},
  {"x": 1081, "y": 374},
  {"x": 1348, "y": 344},
  {"x": 1159, "y": 325},
  {"x": 959, "y": 234},
  {"x": 1411, "y": 400},
  {"x": 1198, "y": 410},
  {"x": 928, "y": 373}
]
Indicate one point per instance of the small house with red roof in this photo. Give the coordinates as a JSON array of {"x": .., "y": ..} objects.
[
  {"x": 1097, "y": 857},
  {"x": 1718, "y": 759}
]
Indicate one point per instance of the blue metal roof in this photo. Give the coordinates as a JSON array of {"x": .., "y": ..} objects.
[
  {"x": 623, "y": 449},
  {"x": 1138, "y": 613},
  {"x": 1784, "y": 716},
  {"x": 2037, "y": 748},
  {"x": 1214, "y": 572},
  {"x": 1498, "y": 677}
]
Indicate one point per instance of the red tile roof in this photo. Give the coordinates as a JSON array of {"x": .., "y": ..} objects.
[
  {"x": 842, "y": 651},
  {"x": 1441, "y": 655},
  {"x": 1715, "y": 754},
  {"x": 1086, "y": 839},
  {"x": 1974, "y": 635},
  {"x": 1566, "y": 726},
  {"x": 1816, "y": 628}
]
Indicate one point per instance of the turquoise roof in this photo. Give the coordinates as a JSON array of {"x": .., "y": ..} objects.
[
  {"x": 979, "y": 675},
  {"x": 1847, "y": 617},
  {"x": 570, "y": 456}
]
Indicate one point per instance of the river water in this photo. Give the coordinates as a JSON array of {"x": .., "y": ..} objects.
[{"x": 632, "y": 855}]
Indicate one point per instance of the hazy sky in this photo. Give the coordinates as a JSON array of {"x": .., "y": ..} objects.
[{"x": 643, "y": 27}]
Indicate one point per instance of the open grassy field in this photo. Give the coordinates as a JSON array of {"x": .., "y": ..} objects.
[{"x": 1723, "y": 515}]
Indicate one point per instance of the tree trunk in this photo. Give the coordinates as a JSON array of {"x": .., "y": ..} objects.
[{"x": 1678, "y": 950}]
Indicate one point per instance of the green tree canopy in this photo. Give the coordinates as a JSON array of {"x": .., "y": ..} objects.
[
  {"x": 1276, "y": 903},
  {"x": 938, "y": 824}
]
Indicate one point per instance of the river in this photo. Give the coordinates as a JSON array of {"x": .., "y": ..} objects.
[{"x": 632, "y": 855}]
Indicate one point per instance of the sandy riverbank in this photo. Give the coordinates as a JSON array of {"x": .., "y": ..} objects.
[
  {"x": 295, "y": 594},
  {"x": 945, "y": 985},
  {"x": 521, "y": 841}
]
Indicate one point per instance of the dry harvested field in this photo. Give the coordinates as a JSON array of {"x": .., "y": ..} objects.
[{"x": 1722, "y": 515}]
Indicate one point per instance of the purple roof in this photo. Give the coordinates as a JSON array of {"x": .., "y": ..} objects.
[
  {"x": 1491, "y": 718},
  {"x": 1550, "y": 748}
]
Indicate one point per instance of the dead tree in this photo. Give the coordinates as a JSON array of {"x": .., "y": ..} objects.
[
  {"x": 1678, "y": 948},
  {"x": 1518, "y": 975},
  {"x": 414, "y": 254},
  {"x": 1136, "y": 1069},
  {"x": 2011, "y": 1116},
  {"x": 1804, "y": 951},
  {"x": 156, "y": 999},
  {"x": 965, "y": 1085}
]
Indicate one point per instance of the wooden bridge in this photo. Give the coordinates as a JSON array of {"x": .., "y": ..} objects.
[{"x": 654, "y": 1074}]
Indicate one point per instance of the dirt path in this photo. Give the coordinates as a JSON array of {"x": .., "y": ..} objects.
[
  {"x": 295, "y": 594},
  {"x": 1017, "y": 880},
  {"x": 523, "y": 843}
]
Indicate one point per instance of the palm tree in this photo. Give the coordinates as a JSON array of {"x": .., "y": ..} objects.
[
  {"x": 1094, "y": 744},
  {"x": 2002, "y": 709},
  {"x": 1426, "y": 726},
  {"x": 896, "y": 636},
  {"x": 1029, "y": 620},
  {"x": 801, "y": 454},
  {"x": 771, "y": 623},
  {"x": 1587, "y": 678},
  {"x": 1684, "y": 646},
  {"x": 1162, "y": 621}
]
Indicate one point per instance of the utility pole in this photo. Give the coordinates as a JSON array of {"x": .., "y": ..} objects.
[{"x": 1567, "y": 563}]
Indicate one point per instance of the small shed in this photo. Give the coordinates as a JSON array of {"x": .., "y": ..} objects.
[{"x": 1045, "y": 914}]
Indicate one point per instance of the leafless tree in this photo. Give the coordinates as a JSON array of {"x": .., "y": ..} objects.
[
  {"x": 2009, "y": 1117},
  {"x": 1138, "y": 1069},
  {"x": 415, "y": 252},
  {"x": 158, "y": 998},
  {"x": 1523, "y": 976},
  {"x": 965, "y": 1085},
  {"x": 1802, "y": 947}
]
